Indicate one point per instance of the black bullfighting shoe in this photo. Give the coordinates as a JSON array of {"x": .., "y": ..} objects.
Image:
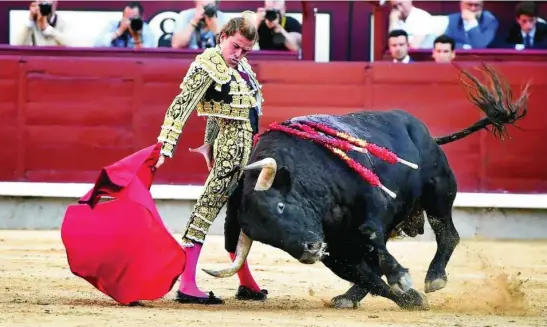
[
  {"x": 189, "y": 299},
  {"x": 246, "y": 294}
]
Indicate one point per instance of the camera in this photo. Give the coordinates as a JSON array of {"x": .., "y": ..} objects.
[
  {"x": 210, "y": 10},
  {"x": 272, "y": 14},
  {"x": 136, "y": 24},
  {"x": 45, "y": 8}
]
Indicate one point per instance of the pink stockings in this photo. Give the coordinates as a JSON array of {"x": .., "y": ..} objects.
[
  {"x": 245, "y": 277},
  {"x": 188, "y": 278}
]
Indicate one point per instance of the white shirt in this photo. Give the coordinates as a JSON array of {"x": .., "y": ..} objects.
[
  {"x": 418, "y": 22},
  {"x": 51, "y": 36},
  {"x": 255, "y": 88},
  {"x": 532, "y": 34},
  {"x": 523, "y": 45},
  {"x": 405, "y": 60}
]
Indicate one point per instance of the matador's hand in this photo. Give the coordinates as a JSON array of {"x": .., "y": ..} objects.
[
  {"x": 207, "y": 151},
  {"x": 160, "y": 162}
]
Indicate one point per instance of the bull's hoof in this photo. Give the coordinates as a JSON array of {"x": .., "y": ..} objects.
[
  {"x": 413, "y": 300},
  {"x": 246, "y": 294},
  {"x": 402, "y": 283},
  {"x": 435, "y": 285},
  {"x": 342, "y": 302}
]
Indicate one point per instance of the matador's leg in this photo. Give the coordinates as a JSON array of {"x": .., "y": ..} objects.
[
  {"x": 231, "y": 152},
  {"x": 248, "y": 288}
]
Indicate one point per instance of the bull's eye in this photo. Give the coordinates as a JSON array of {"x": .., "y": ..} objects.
[{"x": 280, "y": 207}]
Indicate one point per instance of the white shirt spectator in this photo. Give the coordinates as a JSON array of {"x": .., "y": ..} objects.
[
  {"x": 105, "y": 39},
  {"x": 55, "y": 35},
  {"x": 418, "y": 22},
  {"x": 199, "y": 39}
]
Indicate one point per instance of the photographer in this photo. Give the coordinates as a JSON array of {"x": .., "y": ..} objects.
[
  {"x": 196, "y": 28},
  {"x": 131, "y": 32},
  {"x": 44, "y": 27},
  {"x": 275, "y": 30}
]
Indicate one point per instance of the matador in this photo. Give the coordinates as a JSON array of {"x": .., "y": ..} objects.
[{"x": 221, "y": 85}]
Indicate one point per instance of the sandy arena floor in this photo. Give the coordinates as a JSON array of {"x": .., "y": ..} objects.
[{"x": 490, "y": 284}]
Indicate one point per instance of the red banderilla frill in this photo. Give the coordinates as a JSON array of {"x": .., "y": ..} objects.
[
  {"x": 363, "y": 146},
  {"x": 339, "y": 147}
]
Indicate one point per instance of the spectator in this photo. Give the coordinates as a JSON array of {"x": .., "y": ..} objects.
[
  {"x": 130, "y": 32},
  {"x": 415, "y": 21},
  {"x": 473, "y": 27},
  {"x": 527, "y": 32},
  {"x": 276, "y": 30},
  {"x": 398, "y": 46},
  {"x": 444, "y": 49},
  {"x": 196, "y": 28},
  {"x": 44, "y": 27}
]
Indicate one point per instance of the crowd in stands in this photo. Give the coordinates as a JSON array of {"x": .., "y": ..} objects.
[
  {"x": 195, "y": 28},
  {"x": 409, "y": 27},
  {"x": 473, "y": 27}
]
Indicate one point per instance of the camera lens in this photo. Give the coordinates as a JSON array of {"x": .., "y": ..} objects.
[
  {"x": 210, "y": 10},
  {"x": 271, "y": 15},
  {"x": 136, "y": 24},
  {"x": 45, "y": 8}
]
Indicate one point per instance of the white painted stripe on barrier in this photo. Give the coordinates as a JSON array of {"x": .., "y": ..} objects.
[
  {"x": 501, "y": 200},
  {"x": 191, "y": 192}
]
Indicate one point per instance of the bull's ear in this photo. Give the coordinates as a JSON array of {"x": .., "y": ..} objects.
[{"x": 283, "y": 180}]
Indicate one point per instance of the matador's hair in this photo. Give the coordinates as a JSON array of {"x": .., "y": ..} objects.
[{"x": 244, "y": 24}]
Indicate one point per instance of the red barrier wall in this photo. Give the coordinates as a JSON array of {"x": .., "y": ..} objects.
[
  {"x": 62, "y": 118},
  {"x": 162, "y": 53}
]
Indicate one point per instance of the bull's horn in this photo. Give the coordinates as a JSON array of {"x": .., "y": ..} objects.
[
  {"x": 242, "y": 250},
  {"x": 267, "y": 175}
]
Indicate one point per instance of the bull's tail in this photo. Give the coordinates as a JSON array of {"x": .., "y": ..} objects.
[{"x": 495, "y": 102}]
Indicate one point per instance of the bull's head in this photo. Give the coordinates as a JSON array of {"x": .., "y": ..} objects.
[{"x": 273, "y": 213}]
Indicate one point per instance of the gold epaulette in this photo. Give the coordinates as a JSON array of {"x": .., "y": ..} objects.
[{"x": 213, "y": 64}]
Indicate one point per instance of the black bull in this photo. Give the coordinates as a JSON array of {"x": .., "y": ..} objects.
[{"x": 299, "y": 197}]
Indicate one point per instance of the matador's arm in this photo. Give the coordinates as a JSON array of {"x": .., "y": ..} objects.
[{"x": 195, "y": 84}]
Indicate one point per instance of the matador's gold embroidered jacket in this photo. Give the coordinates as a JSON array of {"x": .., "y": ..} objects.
[{"x": 215, "y": 90}]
